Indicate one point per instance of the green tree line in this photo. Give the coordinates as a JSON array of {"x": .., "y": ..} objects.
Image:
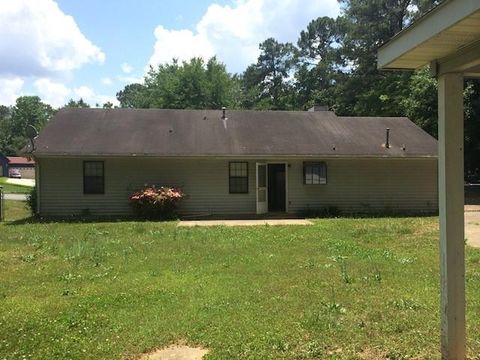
[{"x": 332, "y": 63}]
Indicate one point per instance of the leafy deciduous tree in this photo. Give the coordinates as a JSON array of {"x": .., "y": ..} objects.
[
  {"x": 77, "y": 104},
  {"x": 28, "y": 110},
  {"x": 187, "y": 85},
  {"x": 133, "y": 96}
]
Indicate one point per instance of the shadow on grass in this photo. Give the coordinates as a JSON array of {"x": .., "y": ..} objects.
[
  {"x": 109, "y": 219},
  {"x": 80, "y": 220}
]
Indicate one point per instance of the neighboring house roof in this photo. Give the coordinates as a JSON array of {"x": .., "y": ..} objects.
[
  {"x": 155, "y": 132},
  {"x": 18, "y": 160}
]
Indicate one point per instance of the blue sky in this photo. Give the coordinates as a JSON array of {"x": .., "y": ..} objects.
[{"x": 91, "y": 49}]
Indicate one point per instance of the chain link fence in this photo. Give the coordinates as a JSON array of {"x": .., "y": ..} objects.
[{"x": 2, "y": 207}]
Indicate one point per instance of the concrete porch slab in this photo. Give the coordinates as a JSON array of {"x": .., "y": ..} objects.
[
  {"x": 472, "y": 228},
  {"x": 273, "y": 222},
  {"x": 472, "y": 208}
]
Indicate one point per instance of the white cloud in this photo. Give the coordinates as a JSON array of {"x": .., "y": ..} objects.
[
  {"x": 107, "y": 81},
  {"x": 131, "y": 79},
  {"x": 92, "y": 98},
  {"x": 127, "y": 68},
  {"x": 39, "y": 40},
  {"x": 102, "y": 99},
  {"x": 233, "y": 33},
  {"x": 179, "y": 44},
  {"x": 10, "y": 88},
  {"x": 57, "y": 94},
  {"x": 84, "y": 92},
  {"x": 53, "y": 93},
  {"x": 40, "y": 46}
]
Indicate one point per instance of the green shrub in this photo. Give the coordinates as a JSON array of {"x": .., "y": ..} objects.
[
  {"x": 156, "y": 203},
  {"x": 323, "y": 212},
  {"x": 32, "y": 201}
]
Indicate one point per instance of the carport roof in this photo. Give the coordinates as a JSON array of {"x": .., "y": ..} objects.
[{"x": 447, "y": 37}]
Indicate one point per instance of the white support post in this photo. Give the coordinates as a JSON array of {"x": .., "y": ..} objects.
[{"x": 451, "y": 203}]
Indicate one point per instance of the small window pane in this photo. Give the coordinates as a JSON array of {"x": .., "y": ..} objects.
[
  {"x": 238, "y": 177},
  {"x": 262, "y": 195},
  {"x": 315, "y": 173},
  {"x": 238, "y": 185},
  {"x": 242, "y": 169},
  {"x": 323, "y": 174},
  {"x": 262, "y": 176},
  {"x": 93, "y": 177},
  {"x": 308, "y": 175}
]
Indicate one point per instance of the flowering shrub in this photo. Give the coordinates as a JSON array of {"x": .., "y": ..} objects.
[{"x": 156, "y": 203}]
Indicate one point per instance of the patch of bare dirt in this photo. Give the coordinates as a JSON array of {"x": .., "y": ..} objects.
[
  {"x": 372, "y": 354},
  {"x": 176, "y": 352}
]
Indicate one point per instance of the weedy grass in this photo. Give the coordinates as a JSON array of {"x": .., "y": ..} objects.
[
  {"x": 340, "y": 289},
  {"x": 14, "y": 188},
  {"x": 15, "y": 210}
]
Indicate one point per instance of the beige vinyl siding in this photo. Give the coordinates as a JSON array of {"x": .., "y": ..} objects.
[
  {"x": 368, "y": 185},
  {"x": 204, "y": 181},
  {"x": 353, "y": 185}
]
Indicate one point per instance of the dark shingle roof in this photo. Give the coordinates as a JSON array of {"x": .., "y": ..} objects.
[{"x": 155, "y": 132}]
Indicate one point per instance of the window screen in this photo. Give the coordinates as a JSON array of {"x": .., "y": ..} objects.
[
  {"x": 315, "y": 173},
  {"x": 238, "y": 177},
  {"x": 93, "y": 177}
]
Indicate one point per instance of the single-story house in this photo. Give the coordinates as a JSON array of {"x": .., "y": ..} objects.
[
  {"x": 234, "y": 162},
  {"x": 26, "y": 166}
]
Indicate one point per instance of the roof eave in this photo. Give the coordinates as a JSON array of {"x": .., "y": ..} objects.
[
  {"x": 250, "y": 156},
  {"x": 393, "y": 55}
]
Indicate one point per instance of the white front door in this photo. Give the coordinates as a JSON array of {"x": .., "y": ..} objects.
[{"x": 262, "y": 193}]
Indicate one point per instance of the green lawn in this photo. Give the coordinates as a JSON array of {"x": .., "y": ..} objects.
[
  {"x": 341, "y": 289},
  {"x": 14, "y": 189}
]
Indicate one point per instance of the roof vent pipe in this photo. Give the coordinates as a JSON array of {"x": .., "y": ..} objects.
[
  {"x": 224, "y": 117},
  {"x": 387, "y": 140}
]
